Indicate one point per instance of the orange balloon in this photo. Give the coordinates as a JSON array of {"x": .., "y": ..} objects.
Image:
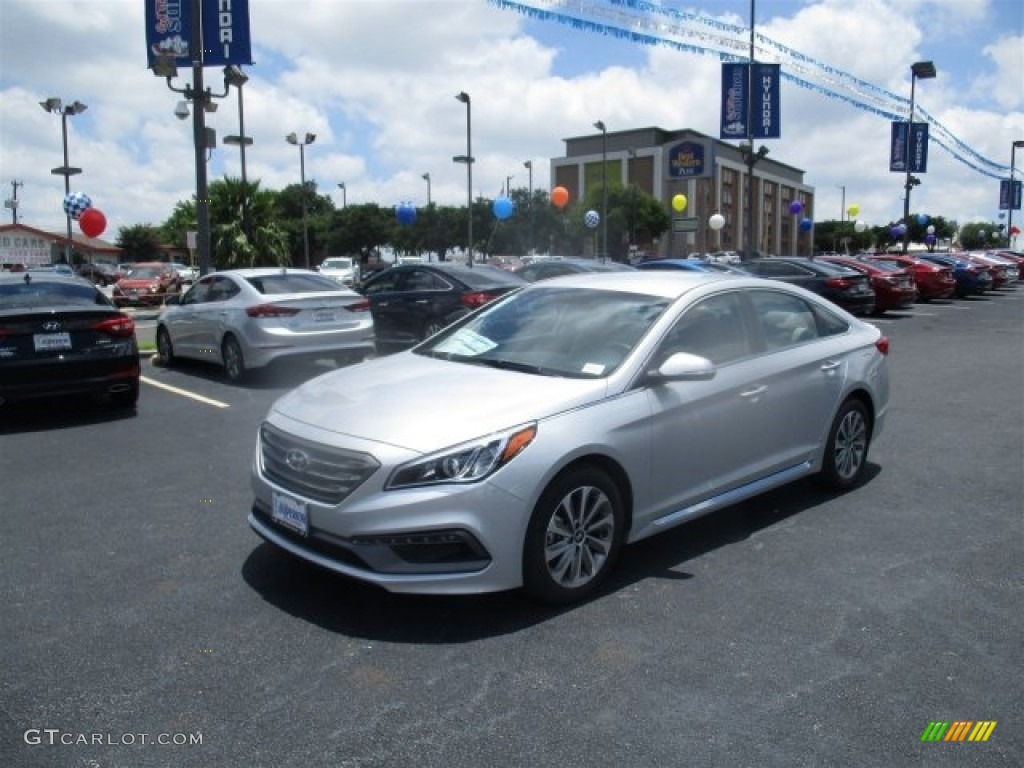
[{"x": 560, "y": 196}]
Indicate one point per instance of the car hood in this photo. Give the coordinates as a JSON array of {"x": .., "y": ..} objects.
[
  {"x": 137, "y": 282},
  {"x": 422, "y": 404}
]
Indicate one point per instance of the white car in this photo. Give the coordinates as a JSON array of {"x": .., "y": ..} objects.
[
  {"x": 244, "y": 319},
  {"x": 525, "y": 444},
  {"x": 341, "y": 269},
  {"x": 187, "y": 274}
]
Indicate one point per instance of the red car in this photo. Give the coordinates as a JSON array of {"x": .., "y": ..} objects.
[
  {"x": 148, "y": 283},
  {"x": 893, "y": 284},
  {"x": 932, "y": 280}
]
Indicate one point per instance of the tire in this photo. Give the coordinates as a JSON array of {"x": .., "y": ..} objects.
[
  {"x": 128, "y": 398},
  {"x": 846, "y": 453},
  {"x": 430, "y": 328},
  {"x": 164, "y": 347},
  {"x": 234, "y": 361},
  {"x": 574, "y": 536}
]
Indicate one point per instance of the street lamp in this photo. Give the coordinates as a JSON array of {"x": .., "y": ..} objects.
[
  {"x": 233, "y": 75},
  {"x": 468, "y": 160},
  {"x": 293, "y": 139},
  {"x": 922, "y": 70},
  {"x": 604, "y": 188},
  {"x": 55, "y": 106},
  {"x": 529, "y": 203},
  {"x": 1012, "y": 198},
  {"x": 344, "y": 195},
  {"x": 751, "y": 158},
  {"x": 426, "y": 178}
]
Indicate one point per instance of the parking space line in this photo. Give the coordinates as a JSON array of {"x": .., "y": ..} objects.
[{"x": 185, "y": 393}]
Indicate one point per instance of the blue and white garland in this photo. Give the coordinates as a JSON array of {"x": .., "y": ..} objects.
[{"x": 648, "y": 23}]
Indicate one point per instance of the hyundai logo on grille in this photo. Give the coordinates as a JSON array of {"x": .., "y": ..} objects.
[
  {"x": 51, "y": 325},
  {"x": 297, "y": 460}
]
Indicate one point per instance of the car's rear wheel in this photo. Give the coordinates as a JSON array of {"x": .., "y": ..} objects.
[
  {"x": 846, "y": 453},
  {"x": 234, "y": 361},
  {"x": 574, "y": 536},
  {"x": 164, "y": 347},
  {"x": 430, "y": 328}
]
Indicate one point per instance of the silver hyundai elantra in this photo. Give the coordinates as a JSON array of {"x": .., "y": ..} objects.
[{"x": 526, "y": 444}]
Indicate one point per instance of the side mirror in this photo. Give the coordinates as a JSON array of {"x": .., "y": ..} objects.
[{"x": 682, "y": 366}]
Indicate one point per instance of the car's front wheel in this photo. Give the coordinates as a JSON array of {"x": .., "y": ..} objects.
[
  {"x": 574, "y": 536},
  {"x": 846, "y": 453},
  {"x": 234, "y": 361},
  {"x": 431, "y": 328}
]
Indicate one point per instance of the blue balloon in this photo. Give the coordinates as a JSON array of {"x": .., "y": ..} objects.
[
  {"x": 503, "y": 208},
  {"x": 922, "y": 219},
  {"x": 805, "y": 225},
  {"x": 405, "y": 213}
]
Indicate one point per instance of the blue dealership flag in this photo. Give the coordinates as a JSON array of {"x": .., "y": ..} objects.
[
  {"x": 225, "y": 31},
  {"x": 1009, "y": 195},
  {"x": 735, "y": 85},
  {"x": 918, "y": 147},
  {"x": 765, "y": 110}
]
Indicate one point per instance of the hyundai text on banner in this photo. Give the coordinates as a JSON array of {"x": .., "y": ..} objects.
[
  {"x": 918, "y": 147},
  {"x": 225, "y": 34},
  {"x": 765, "y": 110}
]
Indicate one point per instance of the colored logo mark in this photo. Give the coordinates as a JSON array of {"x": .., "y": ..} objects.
[{"x": 958, "y": 730}]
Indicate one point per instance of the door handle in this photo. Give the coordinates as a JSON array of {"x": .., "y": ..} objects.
[
  {"x": 422, "y": 301},
  {"x": 831, "y": 365},
  {"x": 755, "y": 392}
]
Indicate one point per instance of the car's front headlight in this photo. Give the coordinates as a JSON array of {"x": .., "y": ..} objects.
[{"x": 466, "y": 463}]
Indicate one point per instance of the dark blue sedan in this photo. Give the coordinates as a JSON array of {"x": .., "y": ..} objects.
[{"x": 971, "y": 279}]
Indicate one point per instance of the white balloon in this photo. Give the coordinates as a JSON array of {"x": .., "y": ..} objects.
[
  {"x": 931, "y": 229},
  {"x": 860, "y": 226},
  {"x": 716, "y": 222}
]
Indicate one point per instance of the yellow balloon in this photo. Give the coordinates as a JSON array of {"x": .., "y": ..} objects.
[
  {"x": 679, "y": 203},
  {"x": 853, "y": 210}
]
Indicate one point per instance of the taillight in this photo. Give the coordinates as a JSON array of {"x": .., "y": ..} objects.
[
  {"x": 882, "y": 344},
  {"x": 271, "y": 310},
  {"x": 359, "y": 306},
  {"x": 115, "y": 326},
  {"x": 476, "y": 299},
  {"x": 839, "y": 283}
]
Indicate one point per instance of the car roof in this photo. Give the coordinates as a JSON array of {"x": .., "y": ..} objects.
[
  {"x": 669, "y": 284},
  {"x": 264, "y": 271}
]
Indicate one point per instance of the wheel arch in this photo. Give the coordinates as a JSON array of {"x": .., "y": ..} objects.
[{"x": 615, "y": 472}]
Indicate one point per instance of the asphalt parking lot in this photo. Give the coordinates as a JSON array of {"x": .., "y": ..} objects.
[{"x": 145, "y": 625}]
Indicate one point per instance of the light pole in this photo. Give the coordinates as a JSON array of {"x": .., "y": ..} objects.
[
  {"x": 292, "y": 138},
  {"x": 344, "y": 195},
  {"x": 751, "y": 158},
  {"x": 922, "y": 70},
  {"x": 842, "y": 205},
  {"x": 1010, "y": 192},
  {"x": 604, "y": 188},
  {"x": 55, "y": 106},
  {"x": 202, "y": 138},
  {"x": 233, "y": 75},
  {"x": 468, "y": 160},
  {"x": 529, "y": 207},
  {"x": 426, "y": 178}
]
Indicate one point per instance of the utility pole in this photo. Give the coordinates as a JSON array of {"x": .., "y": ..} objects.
[{"x": 12, "y": 201}]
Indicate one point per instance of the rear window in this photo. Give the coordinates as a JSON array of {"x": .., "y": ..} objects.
[
  {"x": 39, "y": 293},
  {"x": 293, "y": 282}
]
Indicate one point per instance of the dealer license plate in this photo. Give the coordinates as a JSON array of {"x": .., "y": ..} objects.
[
  {"x": 291, "y": 513},
  {"x": 325, "y": 316},
  {"x": 50, "y": 342}
]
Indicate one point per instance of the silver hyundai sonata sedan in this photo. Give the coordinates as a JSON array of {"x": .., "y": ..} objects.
[{"x": 526, "y": 444}]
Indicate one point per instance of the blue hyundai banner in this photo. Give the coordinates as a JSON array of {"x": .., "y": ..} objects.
[
  {"x": 225, "y": 31},
  {"x": 765, "y": 108},
  {"x": 1009, "y": 195},
  {"x": 918, "y": 148}
]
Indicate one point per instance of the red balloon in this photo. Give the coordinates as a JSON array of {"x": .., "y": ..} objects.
[
  {"x": 560, "y": 196},
  {"x": 92, "y": 222}
]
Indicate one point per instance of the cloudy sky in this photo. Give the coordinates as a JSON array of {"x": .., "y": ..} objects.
[{"x": 375, "y": 81}]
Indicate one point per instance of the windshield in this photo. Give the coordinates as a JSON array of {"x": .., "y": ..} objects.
[
  {"x": 337, "y": 264},
  {"x": 38, "y": 292},
  {"x": 293, "y": 282},
  {"x": 552, "y": 331},
  {"x": 145, "y": 273}
]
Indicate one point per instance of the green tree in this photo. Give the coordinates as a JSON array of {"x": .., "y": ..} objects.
[
  {"x": 139, "y": 242},
  {"x": 244, "y": 227}
]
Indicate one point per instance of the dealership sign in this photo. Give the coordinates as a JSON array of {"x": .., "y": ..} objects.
[
  {"x": 224, "y": 37},
  {"x": 763, "y": 105},
  {"x": 918, "y": 147}
]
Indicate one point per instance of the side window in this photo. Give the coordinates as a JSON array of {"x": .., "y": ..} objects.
[
  {"x": 713, "y": 328},
  {"x": 198, "y": 293},
  {"x": 785, "y": 320},
  {"x": 421, "y": 280},
  {"x": 222, "y": 289},
  {"x": 385, "y": 283}
]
